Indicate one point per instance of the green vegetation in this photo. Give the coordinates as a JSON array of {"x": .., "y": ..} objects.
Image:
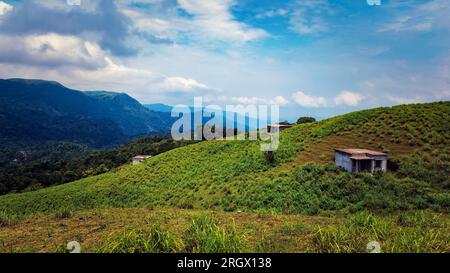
[
  {"x": 63, "y": 214},
  {"x": 56, "y": 163},
  {"x": 154, "y": 240},
  {"x": 204, "y": 236},
  {"x": 185, "y": 231},
  {"x": 316, "y": 206},
  {"x": 234, "y": 175},
  {"x": 303, "y": 120},
  {"x": 8, "y": 219},
  {"x": 364, "y": 227}
]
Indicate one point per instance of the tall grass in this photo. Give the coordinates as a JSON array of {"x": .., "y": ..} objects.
[
  {"x": 63, "y": 213},
  {"x": 154, "y": 240},
  {"x": 202, "y": 236},
  {"x": 417, "y": 240},
  {"x": 205, "y": 236},
  {"x": 362, "y": 228},
  {"x": 8, "y": 219}
]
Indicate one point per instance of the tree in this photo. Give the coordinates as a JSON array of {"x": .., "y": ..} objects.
[{"x": 304, "y": 120}]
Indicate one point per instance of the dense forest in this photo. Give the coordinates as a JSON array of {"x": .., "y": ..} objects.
[{"x": 55, "y": 163}]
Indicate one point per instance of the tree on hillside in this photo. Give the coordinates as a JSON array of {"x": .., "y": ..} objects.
[{"x": 304, "y": 120}]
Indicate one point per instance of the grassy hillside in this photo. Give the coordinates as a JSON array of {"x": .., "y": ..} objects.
[{"x": 235, "y": 175}]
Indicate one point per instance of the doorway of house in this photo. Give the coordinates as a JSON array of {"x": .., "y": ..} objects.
[{"x": 365, "y": 165}]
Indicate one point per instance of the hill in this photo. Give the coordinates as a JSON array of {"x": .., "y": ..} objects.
[
  {"x": 235, "y": 175},
  {"x": 159, "y": 107},
  {"x": 35, "y": 111},
  {"x": 56, "y": 163}
]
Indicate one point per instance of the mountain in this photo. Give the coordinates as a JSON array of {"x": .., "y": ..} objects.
[
  {"x": 250, "y": 123},
  {"x": 159, "y": 107},
  {"x": 37, "y": 111},
  {"x": 236, "y": 175}
]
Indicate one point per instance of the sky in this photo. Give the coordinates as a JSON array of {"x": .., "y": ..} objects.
[{"x": 312, "y": 57}]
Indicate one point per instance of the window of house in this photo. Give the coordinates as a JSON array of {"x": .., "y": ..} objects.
[{"x": 378, "y": 164}]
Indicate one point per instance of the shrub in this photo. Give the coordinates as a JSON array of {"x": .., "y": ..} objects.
[
  {"x": 204, "y": 236},
  {"x": 270, "y": 157},
  {"x": 63, "y": 214},
  {"x": 304, "y": 120}
]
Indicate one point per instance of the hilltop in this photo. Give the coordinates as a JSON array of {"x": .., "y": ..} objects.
[
  {"x": 235, "y": 175},
  {"x": 36, "y": 111}
]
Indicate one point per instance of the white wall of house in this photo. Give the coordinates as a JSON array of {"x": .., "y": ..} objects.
[{"x": 344, "y": 161}]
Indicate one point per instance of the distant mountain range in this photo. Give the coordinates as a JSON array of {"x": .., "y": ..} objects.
[
  {"x": 159, "y": 107},
  {"x": 228, "y": 122},
  {"x": 39, "y": 111}
]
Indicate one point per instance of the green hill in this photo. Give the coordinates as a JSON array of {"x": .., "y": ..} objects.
[
  {"x": 37, "y": 111},
  {"x": 235, "y": 175}
]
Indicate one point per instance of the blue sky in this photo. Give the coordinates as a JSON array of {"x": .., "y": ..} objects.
[{"x": 313, "y": 57}]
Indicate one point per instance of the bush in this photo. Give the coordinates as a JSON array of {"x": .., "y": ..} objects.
[
  {"x": 304, "y": 120},
  {"x": 204, "y": 236},
  {"x": 63, "y": 214}
]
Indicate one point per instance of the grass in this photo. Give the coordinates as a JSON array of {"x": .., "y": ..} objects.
[
  {"x": 63, "y": 213},
  {"x": 362, "y": 228},
  {"x": 227, "y": 177},
  {"x": 8, "y": 219},
  {"x": 176, "y": 230},
  {"x": 154, "y": 240},
  {"x": 205, "y": 236},
  {"x": 224, "y": 175}
]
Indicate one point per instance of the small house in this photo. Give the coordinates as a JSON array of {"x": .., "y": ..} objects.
[
  {"x": 140, "y": 158},
  {"x": 278, "y": 127},
  {"x": 361, "y": 160}
]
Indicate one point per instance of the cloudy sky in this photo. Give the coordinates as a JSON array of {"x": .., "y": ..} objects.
[{"x": 313, "y": 57}]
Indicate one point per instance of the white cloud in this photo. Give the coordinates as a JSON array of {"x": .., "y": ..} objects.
[
  {"x": 408, "y": 23},
  {"x": 182, "y": 84},
  {"x": 348, "y": 98},
  {"x": 272, "y": 13},
  {"x": 51, "y": 50},
  {"x": 213, "y": 20},
  {"x": 83, "y": 64},
  {"x": 308, "y": 16},
  {"x": 309, "y": 101},
  {"x": 4, "y": 8},
  {"x": 278, "y": 100},
  {"x": 419, "y": 17}
]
